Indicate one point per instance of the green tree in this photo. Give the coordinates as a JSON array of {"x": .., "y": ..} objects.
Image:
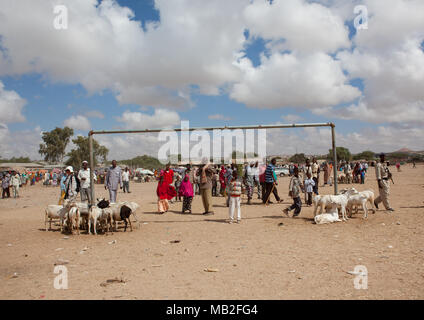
[
  {"x": 145, "y": 162},
  {"x": 366, "y": 155},
  {"x": 298, "y": 158},
  {"x": 342, "y": 154},
  {"x": 16, "y": 160},
  {"x": 55, "y": 142},
  {"x": 82, "y": 152}
]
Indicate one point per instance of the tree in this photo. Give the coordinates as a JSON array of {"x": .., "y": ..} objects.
[
  {"x": 145, "y": 162},
  {"x": 365, "y": 155},
  {"x": 82, "y": 152},
  {"x": 55, "y": 142},
  {"x": 342, "y": 154},
  {"x": 16, "y": 160},
  {"x": 298, "y": 158}
]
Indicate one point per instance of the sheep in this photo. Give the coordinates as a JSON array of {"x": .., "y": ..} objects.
[
  {"x": 120, "y": 211},
  {"x": 125, "y": 215},
  {"x": 54, "y": 211}
]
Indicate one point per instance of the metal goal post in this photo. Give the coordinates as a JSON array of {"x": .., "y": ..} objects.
[{"x": 276, "y": 126}]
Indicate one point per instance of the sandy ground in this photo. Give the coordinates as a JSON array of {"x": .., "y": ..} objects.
[{"x": 257, "y": 259}]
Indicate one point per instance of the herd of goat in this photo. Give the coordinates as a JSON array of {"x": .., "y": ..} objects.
[{"x": 77, "y": 215}]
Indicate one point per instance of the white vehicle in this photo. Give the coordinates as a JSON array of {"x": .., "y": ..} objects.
[{"x": 282, "y": 172}]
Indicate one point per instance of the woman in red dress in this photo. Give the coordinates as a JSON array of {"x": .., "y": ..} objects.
[{"x": 222, "y": 180}]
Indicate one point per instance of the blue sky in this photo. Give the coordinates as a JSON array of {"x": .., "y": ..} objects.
[{"x": 244, "y": 91}]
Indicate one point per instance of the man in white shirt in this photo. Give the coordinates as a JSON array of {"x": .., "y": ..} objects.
[
  {"x": 84, "y": 177},
  {"x": 126, "y": 180}
]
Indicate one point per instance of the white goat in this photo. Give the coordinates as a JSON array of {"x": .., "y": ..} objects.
[
  {"x": 325, "y": 201},
  {"x": 330, "y": 216},
  {"x": 73, "y": 218},
  {"x": 357, "y": 199},
  {"x": 56, "y": 212},
  {"x": 97, "y": 215}
]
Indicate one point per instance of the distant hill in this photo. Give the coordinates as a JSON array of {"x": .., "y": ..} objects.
[{"x": 404, "y": 150}]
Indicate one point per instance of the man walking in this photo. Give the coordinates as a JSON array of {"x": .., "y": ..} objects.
[
  {"x": 84, "y": 177},
  {"x": 113, "y": 180},
  {"x": 271, "y": 182},
  {"x": 16, "y": 181},
  {"x": 315, "y": 174},
  {"x": 126, "y": 180},
  {"x": 383, "y": 175},
  {"x": 205, "y": 174},
  {"x": 5, "y": 184}
]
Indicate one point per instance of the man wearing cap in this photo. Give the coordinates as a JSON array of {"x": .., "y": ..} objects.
[
  {"x": 84, "y": 176},
  {"x": 113, "y": 180},
  {"x": 70, "y": 184},
  {"x": 383, "y": 176}
]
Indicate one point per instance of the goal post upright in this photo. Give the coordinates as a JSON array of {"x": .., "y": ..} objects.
[{"x": 246, "y": 127}]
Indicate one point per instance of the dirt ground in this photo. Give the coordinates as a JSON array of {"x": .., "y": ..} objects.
[{"x": 257, "y": 259}]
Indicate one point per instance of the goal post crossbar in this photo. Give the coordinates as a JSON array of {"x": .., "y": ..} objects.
[{"x": 245, "y": 127}]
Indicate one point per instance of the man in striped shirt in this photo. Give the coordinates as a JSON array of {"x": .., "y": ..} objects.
[{"x": 271, "y": 182}]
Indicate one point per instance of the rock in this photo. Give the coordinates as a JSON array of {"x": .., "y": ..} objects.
[
  {"x": 58, "y": 249},
  {"x": 211, "y": 270},
  {"x": 390, "y": 247},
  {"x": 65, "y": 237},
  {"x": 398, "y": 223},
  {"x": 281, "y": 224},
  {"x": 292, "y": 271},
  {"x": 9, "y": 244},
  {"x": 112, "y": 242},
  {"x": 61, "y": 262},
  {"x": 175, "y": 241},
  {"x": 13, "y": 276}
]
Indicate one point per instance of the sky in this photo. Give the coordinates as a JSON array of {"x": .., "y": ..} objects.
[{"x": 139, "y": 64}]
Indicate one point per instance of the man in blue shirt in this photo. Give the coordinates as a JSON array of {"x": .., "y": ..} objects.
[{"x": 271, "y": 182}]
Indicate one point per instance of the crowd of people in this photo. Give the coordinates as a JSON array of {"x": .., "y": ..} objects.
[{"x": 206, "y": 180}]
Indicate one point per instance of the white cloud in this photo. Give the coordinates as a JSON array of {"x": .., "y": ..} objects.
[
  {"x": 318, "y": 140},
  {"x": 11, "y": 105},
  {"x": 391, "y": 67},
  {"x": 78, "y": 122},
  {"x": 218, "y": 117},
  {"x": 301, "y": 25},
  {"x": 23, "y": 143},
  {"x": 287, "y": 80},
  {"x": 94, "y": 114},
  {"x": 194, "y": 43},
  {"x": 292, "y": 118},
  {"x": 161, "y": 118}
]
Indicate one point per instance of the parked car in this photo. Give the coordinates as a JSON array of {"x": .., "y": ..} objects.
[{"x": 282, "y": 172}]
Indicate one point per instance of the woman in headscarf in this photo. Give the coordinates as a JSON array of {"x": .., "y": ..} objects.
[
  {"x": 186, "y": 190},
  {"x": 326, "y": 172},
  {"x": 222, "y": 180},
  {"x": 162, "y": 193}
]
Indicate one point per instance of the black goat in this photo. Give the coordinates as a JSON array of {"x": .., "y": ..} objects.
[{"x": 125, "y": 215}]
